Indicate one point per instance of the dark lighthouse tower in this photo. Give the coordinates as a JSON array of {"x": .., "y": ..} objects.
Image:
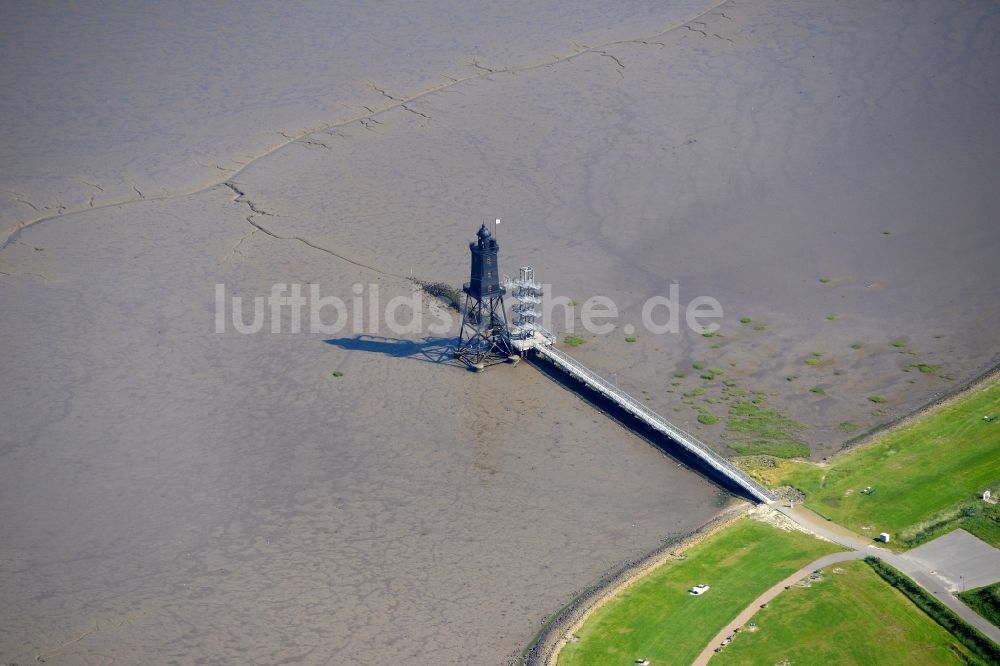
[{"x": 484, "y": 336}]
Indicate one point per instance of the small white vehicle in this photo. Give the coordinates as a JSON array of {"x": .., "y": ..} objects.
[{"x": 698, "y": 590}]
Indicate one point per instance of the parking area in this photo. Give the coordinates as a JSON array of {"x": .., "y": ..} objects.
[{"x": 960, "y": 559}]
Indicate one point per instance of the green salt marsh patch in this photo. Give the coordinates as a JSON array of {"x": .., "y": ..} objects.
[{"x": 754, "y": 428}]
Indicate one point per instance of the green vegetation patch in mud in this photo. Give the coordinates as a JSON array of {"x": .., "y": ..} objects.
[{"x": 753, "y": 428}]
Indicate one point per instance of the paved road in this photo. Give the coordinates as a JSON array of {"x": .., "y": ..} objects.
[{"x": 860, "y": 547}]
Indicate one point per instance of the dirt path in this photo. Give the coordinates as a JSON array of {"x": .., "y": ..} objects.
[{"x": 774, "y": 591}]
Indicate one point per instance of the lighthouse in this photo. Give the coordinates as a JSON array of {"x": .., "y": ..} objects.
[{"x": 484, "y": 338}]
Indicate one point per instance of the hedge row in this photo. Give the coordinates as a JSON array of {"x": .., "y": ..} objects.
[
  {"x": 968, "y": 635},
  {"x": 985, "y": 601}
]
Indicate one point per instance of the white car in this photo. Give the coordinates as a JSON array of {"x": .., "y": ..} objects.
[{"x": 699, "y": 589}]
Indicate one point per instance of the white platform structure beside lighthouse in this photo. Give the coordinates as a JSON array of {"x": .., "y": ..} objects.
[{"x": 526, "y": 333}]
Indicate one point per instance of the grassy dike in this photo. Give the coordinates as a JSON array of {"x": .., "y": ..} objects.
[
  {"x": 849, "y": 616},
  {"x": 925, "y": 476},
  {"x": 656, "y": 618}
]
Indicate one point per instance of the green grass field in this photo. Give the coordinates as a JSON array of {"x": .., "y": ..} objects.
[
  {"x": 853, "y": 617},
  {"x": 926, "y": 477},
  {"x": 985, "y": 601},
  {"x": 657, "y": 619}
]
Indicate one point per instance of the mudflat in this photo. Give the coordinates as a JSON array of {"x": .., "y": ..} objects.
[{"x": 172, "y": 493}]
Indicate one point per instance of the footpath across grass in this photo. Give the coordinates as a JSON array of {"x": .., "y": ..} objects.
[
  {"x": 915, "y": 483},
  {"x": 849, "y": 616},
  {"x": 657, "y": 619}
]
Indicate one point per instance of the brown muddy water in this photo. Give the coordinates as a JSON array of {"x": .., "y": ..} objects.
[{"x": 169, "y": 494}]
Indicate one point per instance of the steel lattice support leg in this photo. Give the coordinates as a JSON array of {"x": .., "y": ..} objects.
[{"x": 483, "y": 338}]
